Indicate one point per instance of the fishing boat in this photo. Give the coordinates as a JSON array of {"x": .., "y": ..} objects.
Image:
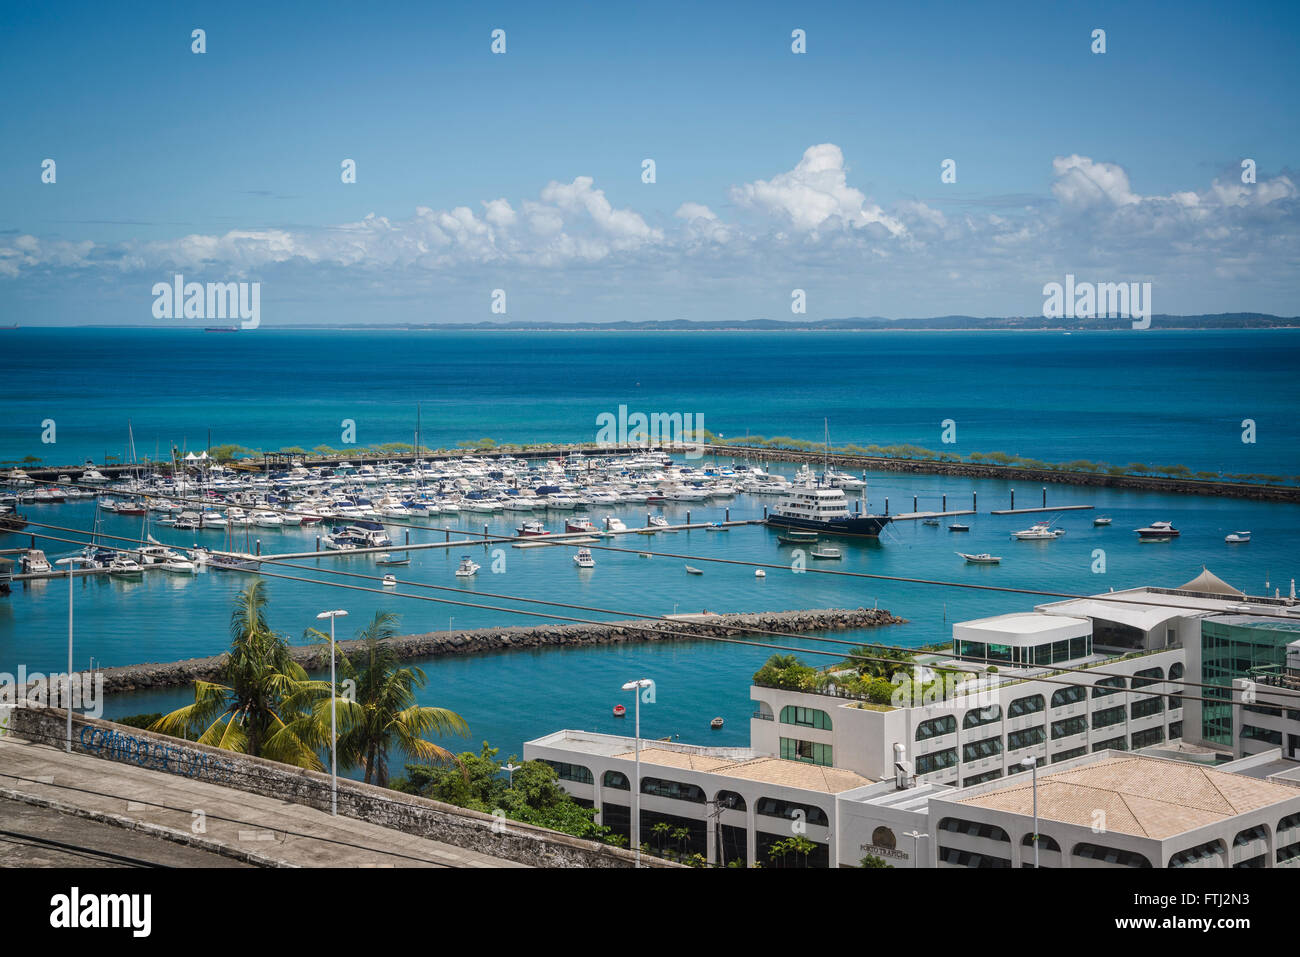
[
  {"x": 983, "y": 558},
  {"x": 583, "y": 559},
  {"x": 387, "y": 559},
  {"x": 1100, "y": 521},
  {"x": 692, "y": 570},
  {"x": 531, "y": 529},
  {"x": 1237, "y": 538},
  {"x": 958, "y": 527},
  {"x": 468, "y": 567},
  {"x": 825, "y": 552},
  {"x": 581, "y": 525},
  {"x": 1158, "y": 530},
  {"x": 620, "y": 711},
  {"x": 715, "y": 724}
]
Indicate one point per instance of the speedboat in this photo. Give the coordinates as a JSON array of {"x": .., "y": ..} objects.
[
  {"x": 1237, "y": 538},
  {"x": 468, "y": 567},
  {"x": 1158, "y": 530},
  {"x": 178, "y": 566},
  {"x": 825, "y": 552},
  {"x": 390, "y": 581},
  {"x": 532, "y": 529},
  {"x": 1100, "y": 521},
  {"x": 34, "y": 562},
  {"x": 583, "y": 559},
  {"x": 613, "y": 524},
  {"x": 388, "y": 559},
  {"x": 759, "y": 573},
  {"x": 958, "y": 527},
  {"x": 932, "y": 522},
  {"x": 692, "y": 570},
  {"x": 658, "y": 521},
  {"x": 983, "y": 558}
]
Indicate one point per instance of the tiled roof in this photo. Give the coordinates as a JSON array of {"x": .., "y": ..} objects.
[{"x": 1146, "y": 797}]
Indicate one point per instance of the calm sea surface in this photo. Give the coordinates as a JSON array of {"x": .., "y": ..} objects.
[{"x": 1162, "y": 398}]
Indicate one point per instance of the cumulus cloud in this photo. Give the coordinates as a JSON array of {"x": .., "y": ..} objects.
[{"x": 815, "y": 193}]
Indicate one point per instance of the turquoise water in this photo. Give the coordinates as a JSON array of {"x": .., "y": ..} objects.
[{"x": 1162, "y": 398}]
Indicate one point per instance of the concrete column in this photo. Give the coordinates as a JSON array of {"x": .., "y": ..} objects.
[{"x": 751, "y": 829}]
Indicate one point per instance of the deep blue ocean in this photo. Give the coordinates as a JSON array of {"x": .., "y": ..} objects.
[{"x": 1160, "y": 398}]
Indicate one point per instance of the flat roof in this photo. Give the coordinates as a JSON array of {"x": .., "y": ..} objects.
[
  {"x": 1021, "y": 628},
  {"x": 739, "y": 763},
  {"x": 1142, "y": 796}
]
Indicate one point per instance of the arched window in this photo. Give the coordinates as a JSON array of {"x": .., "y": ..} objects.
[
  {"x": 775, "y": 807},
  {"x": 1045, "y": 843},
  {"x": 675, "y": 790},
  {"x": 936, "y": 727},
  {"x": 1109, "y": 686},
  {"x": 1023, "y": 706},
  {"x": 1068, "y": 696},
  {"x": 990, "y": 832},
  {"x": 981, "y": 716},
  {"x": 616, "y": 779},
  {"x": 1110, "y": 855},
  {"x": 731, "y": 801}
]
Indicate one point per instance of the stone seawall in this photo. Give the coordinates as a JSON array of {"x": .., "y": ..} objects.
[
  {"x": 159, "y": 754},
  {"x": 1015, "y": 473},
  {"x": 521, "y": 637}
]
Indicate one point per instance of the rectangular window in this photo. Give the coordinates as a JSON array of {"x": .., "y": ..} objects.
[{"x": 812, "y": 752}]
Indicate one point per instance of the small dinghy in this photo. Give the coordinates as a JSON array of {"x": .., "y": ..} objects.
[
  {"x": 932, "y": 522},
  {"x": 387, "y": 559},
  {"x": 759, "y": 573},
  {"x": 1101, "y": 521},
  {"x": 619, "y": 711},
  {"x": 715, "y": 724},
  {"x": 692, "y": 570}
]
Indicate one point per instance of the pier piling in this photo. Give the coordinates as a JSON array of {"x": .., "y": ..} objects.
[{"x": 944, "y": 506}]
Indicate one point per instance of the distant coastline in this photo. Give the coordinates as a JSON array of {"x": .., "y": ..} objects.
[{"x": 1159, "y": 323}]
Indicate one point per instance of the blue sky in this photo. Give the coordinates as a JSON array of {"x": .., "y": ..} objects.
[{"x": 522, "y": 171}]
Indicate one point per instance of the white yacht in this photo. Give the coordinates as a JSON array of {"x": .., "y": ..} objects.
[
  {"x": 1038, "y": 532},
  {"x": 468, "y": 567},
  {"x": 583, "y": 559},
  {"x": 1158, "y": 530},
  {"x": 1237, "y": 538}
]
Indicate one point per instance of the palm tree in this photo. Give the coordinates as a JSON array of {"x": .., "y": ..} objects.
[
  {"x": 382, "y": 713},
  {"x": 263, "y": 694}
]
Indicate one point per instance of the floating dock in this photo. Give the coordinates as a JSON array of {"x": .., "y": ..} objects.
[{"x": 1041, "y": 508}]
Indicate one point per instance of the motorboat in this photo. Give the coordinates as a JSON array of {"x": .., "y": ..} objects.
[
  {"x": 932, "y": 522},
  {"x": 797, "y": 538},
  {"x": 1237, "y": 538},
  {"x": 179, "y": 566},
  {"x": 825, "y": 552},
  {"x": 958, "y": 527},
  {"x": 583, "y": 559},
  {"x": 1158, "y": 530},
  {"x": 580, "y": 525},
  {"x": 388, "y": 559},
  {"x": 123, "y": 567},
  {"x": 983, "y": 558},
  {"x": 34, "y": 562},
  {"x": 1100, "y": 521},
  {"x": 532, "y": 530},
  {"x": 820, "y": 509},
  {"x": 468, "y": 567},
  {"x": 658, "y": 521},
  {"x": 390, "y": 581},
  {"x": 1038, "y": 532},
  {"x": 613, "y": 524},
  {"x": 759, "y": 573},
  {"x": 692, "y": 570}
]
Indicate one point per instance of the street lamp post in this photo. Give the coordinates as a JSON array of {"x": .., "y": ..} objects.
[
  {"x": 916, "y": 840},
  {"x": 510, "y": 770},
  {"x": 1031, "y": 762},
  {"x": 334, "y": 758},
  {"x": 635, "y": 687},
  {"x": 67, "y": 705}
]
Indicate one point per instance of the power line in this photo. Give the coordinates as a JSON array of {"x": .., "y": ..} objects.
[{"x": 1096, "y": 672}]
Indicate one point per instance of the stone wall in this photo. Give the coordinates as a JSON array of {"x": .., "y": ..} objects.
[
  {"x": 159, "y": 754},
  {"x": 516, "y": 637}
]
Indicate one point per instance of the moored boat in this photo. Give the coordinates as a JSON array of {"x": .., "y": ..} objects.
[{"x": 983, "y": 558}]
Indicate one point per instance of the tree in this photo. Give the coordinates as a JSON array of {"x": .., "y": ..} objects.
[
  {"x": 871, "y": 860},
  {"x": 263, "y": 697},
  {"x": 383, "y": 714}
]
